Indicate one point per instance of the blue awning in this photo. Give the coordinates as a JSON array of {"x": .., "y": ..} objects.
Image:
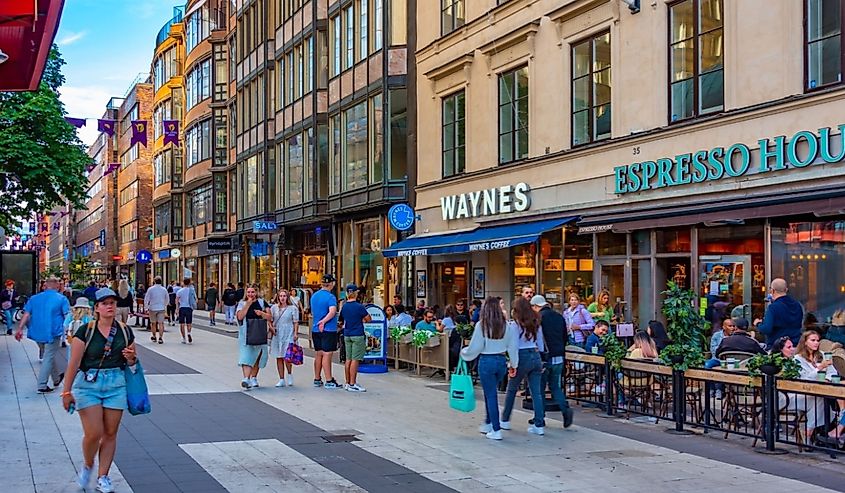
[{"x": 481, "y": 239}]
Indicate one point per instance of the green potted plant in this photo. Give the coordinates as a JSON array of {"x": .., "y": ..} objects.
[
  {"x": 773, "y": 364},
  {"x": 423, "y": 338},
  {"x": 465, "y": 330},
  {"x": 684, "y": 327},
  {"x": 614, "y": 350}
]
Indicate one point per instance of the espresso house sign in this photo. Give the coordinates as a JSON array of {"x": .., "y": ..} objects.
[{"x": 490, "y": 202}]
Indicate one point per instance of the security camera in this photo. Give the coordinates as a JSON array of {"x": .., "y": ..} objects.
[
  {"x": 633, "y": 5},
  {"x": 3, "y": 56}
]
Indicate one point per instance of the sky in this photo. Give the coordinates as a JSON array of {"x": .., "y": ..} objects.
[{"x": 106, "y": 44}]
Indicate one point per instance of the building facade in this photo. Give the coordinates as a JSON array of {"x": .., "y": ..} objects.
[
  {"x": 718, "y": 167},
  {"x": 134, "y": 183},
  {"x": 95, "y": 234},
  {"x": 168, "y": 159}
]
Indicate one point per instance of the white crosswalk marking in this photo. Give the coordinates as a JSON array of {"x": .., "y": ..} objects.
[{"x": 265, "y": 466}]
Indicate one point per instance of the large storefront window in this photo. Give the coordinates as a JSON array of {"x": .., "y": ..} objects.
[
  {"x": 262, "y": 266},
  {"x": 361, "y": 261},
  {"x": 729, "y": 258},
  {"x": 524, "y": 267},
  {"x": 210, "y": 271},
  {"x": 810, "y": 256}
]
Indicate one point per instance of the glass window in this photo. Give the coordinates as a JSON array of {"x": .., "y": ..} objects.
[
  {"x": 551, "y": 273},
  {"x": 451, "y": 15},
  {"x": 696, "y": 84},
  {"x": 336, "y": 38},
  {"x": 674, "y": 240},
  {"x": 642, "y": 292},
  {"x": 162, "y": 167},
  {"x": 591, "y": 90},
  {"x": 513, "y": 115},
  {"x": 199, "y": 206},
  {"x": 363, "y": 30},
  {"x": 129, "y": 232},
  {"x": 377, "y": 139},
  {"x": 162, "y": 220},
  {"x": 810, "y": 256},
  {"x": 641, "y": 242},
  {"x": 129, "y": 193},
  {"x": 610, "y": 243},
  {"x": 824, "y": 42},
  {"x": 349, "y": 38},
  {"x": 454, "y": 134},
  {"x": 308, "y": 165},
  {"x": 398, "y": 133},
  {"x": 336, "y": 156},
  {"x": 370, "y": 262},
  {"x": 198, "y": 83},
  {"x": 220, "y": 199},
  {"x": 293, "y": 171},
  {"x": 251, "y": 184},
  {"x": 198, "y": 142},
  {"x": 198, "y": 26},
  {"x": 378, "y": 24},
  {"x": 356, "y": 144}
]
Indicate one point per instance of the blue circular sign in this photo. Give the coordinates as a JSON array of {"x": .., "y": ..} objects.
[
  {"x": 144, "y": 256},
  {"x": 401, "y": 217}
]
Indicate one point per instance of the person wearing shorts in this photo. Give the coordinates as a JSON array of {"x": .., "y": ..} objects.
[
  {"x": 354, "y": 315},
  {"x": 156, "y": 300},
  {"x": 186, "y": 298},
  {"x": 100, "y": 351},
  {"x": 324, "y": 332}
]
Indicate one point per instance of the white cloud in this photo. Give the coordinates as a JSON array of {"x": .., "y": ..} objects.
[
  {"x": 86, "y": 102},
  {"x": 70, "y": 38}
]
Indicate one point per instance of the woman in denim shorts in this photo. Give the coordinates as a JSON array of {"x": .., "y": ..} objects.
[{"x": 98, "y": 391}]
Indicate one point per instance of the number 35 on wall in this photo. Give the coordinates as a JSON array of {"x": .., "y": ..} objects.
[{"x": 635, "y": 150}]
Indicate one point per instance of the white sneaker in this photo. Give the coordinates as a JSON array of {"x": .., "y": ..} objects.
[
  {"x": 289, "y": 380},
  {"x": 104, "y": 485},
  {"x": 485, "y": 428},
  {"x": 281, "y": 383},
  {"x": 84, "y": 477},
  {"x": 184, "y": 341},
  {"x": 245, "y": 384},
  {"x": 494, "y": 435},
  {"x": 355, "y": 388},
  {"x": 253, "y": 382},
  {"x": 537, "y": 431},
  {"x": 505, "y": 425}
]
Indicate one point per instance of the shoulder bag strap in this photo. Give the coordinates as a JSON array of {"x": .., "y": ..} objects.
[{"x": 89, "y": 333}]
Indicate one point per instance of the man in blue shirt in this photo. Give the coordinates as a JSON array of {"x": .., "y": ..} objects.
[
  {"x": 91, "y": 291},
  {"x": 324, "y": 331},
  {"x": 45, "y": 314},
  {"x": 428, "y": 322},
  {"x": 354, "y": 316},
  {"x": 784, "y": 316}
]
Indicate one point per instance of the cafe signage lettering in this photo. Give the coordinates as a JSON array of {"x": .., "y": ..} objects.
[
  {"x": 775, "y": 154},
  {"x": 490, "y": 202}
]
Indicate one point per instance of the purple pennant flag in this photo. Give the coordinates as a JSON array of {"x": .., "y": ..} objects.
[
  {"x": 139, "y": 132},
  {"x": 56, "y": 226},
  {"x": 76, "y": 122},
  {"x": 44, "y": 227},
  {"x": 106, "y": 126},
  {"x": 171, "y": 132},
  {"x": 90, "y": 167}
]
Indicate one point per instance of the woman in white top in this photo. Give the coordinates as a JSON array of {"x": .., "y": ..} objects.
[
  {"x": 531, "y": 343},
  {"x": 812, "y": 363},
  {"x": 492, "y": 338},
  {"x": 286, "y": 322}
]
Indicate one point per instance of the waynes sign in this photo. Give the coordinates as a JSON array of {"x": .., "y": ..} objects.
[
  {"x": 774, "y": 155},
  {"x": 500, "y": 200}
]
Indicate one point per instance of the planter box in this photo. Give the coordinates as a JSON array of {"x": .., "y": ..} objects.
[
  {"x": 436, "y": 357},
  {"x": 391, "y": 348},
  {"x": 406, "y": 353}
]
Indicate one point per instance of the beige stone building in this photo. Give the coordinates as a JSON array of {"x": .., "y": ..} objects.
[{"x": 580, "y": 145}]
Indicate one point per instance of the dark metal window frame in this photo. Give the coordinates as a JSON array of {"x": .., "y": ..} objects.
[
  {"x": 696, "y": 73},
  {"x": 591, "y": 106},
  {"x": 807, "y": 42},
  {"x": 456, "y": 170},
  {"x": 451, "y": 6},
  {"x": 514, "y": 114}
]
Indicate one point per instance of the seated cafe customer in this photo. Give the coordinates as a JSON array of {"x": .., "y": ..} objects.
[
  {"x": 643, "y": 347},
  {"x": 727, "y": 326},
  {"x": 739, "y": 340},
  {"x": 594, "y": 339},
  {"x": 429, "y": 323}
]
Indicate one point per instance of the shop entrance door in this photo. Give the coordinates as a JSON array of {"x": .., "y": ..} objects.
[
  {"x": 725, "y": 278},
  {"x": 450, "y": 283}
]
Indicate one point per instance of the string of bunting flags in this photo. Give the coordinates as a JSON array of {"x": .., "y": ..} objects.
[{"x": 139, "y": 129}]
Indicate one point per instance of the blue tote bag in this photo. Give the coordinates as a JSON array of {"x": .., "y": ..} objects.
[
  {"x": 461, "y": 391},
  {"x": 137, "y": 397}
]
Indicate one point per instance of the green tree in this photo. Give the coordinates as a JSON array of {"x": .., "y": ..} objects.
[
  {"x": 79, "y": 269},
  {"x": 42, "y": 161}
]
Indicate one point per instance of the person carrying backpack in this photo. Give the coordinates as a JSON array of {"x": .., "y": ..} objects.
[{"x": 230, "y": 301}]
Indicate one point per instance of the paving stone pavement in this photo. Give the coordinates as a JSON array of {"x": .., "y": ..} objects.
[{"x": 206, "y": 435}]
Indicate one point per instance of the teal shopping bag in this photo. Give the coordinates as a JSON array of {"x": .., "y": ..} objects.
[
  {"x": 461, "y": 391},
  {"x": 137, "y": 397}
]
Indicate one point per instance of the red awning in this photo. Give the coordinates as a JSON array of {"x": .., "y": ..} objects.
[{"x": 27, "y": 29}]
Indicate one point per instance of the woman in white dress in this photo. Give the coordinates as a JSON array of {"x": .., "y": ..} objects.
[
  {"x": 286, "y": 323},
  {"x": 813, "y": 365}
]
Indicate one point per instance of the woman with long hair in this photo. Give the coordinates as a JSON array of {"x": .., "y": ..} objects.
[
  {"x": 530, "y": 367},
  {"x": 601, "y": 309},
  {"x": 251, "y": 357},
  {"x": 811, "y": 359},
  {"x": 79, "y": 316},
  {"x": 492, "y": 338},
  {"x": 96, "y": 386},
  {"x": 125, "y": 301},
  {"x": 643, "y": 347},
  {"x": 286, "y": 326},
  {"x": 657, "y": 331}
]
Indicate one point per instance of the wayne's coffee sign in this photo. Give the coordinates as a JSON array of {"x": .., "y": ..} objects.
[{"x": 219, "y": 243}]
